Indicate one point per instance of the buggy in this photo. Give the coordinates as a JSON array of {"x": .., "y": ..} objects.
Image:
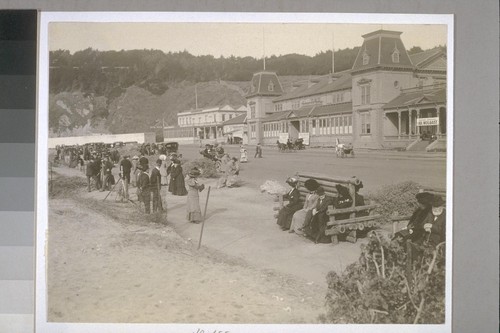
[{"x": 344, "y": 149}]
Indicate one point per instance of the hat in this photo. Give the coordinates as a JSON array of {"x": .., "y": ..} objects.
[
  {"x": 163, "y": 157},
  {"x": 311, "y": 184},
  {"x": 195, "y": 172},
  {"x": 292, "y": 181},
  {"x": 342, "y": 190},
  {"x": 320, "y": 190},
  {"x": 424, "y": 198},
  {"x": 135, "y": 157},
  {"x": 438, "y": 201}
]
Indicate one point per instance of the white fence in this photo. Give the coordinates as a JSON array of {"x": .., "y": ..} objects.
[{"x": 105, "y": 138}]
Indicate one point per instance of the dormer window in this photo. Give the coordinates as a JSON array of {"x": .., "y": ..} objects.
[
  {"x": 395, "y": 56},
  {"x": 270, "y": 86},
  {"x": 366, "y": 58}
]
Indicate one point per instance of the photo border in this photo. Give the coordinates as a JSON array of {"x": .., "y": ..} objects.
[{"x": 42, "y": 157}]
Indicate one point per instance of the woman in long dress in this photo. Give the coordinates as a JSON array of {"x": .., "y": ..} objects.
[
  {"x": 193, "y": 198},
  {"x": 303, "y": 216},
  {"x": 177, "y": 185},
  {"x": 293, "y": 196}
]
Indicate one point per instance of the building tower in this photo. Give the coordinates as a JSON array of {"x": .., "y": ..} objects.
[
  {"x": 264, "y": 87},
  {"x": 381, "y": 70}
]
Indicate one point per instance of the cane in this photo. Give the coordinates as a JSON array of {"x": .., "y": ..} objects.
[{"x": 204, "y": 214}]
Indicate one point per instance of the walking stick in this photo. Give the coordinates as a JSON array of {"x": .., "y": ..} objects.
[
  {"x": 116, "y": 183},
  {"x": 204, "y": 214}
]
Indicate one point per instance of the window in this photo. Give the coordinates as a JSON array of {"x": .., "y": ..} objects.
[
  {"x": 365, "y": 94},
  {"x": 252, "y": 131},
  {"x": 365, "y": 123},
  {"x": 223, "y": 117},
  {"x": 395, "y": 56},
  {"x": 366, "y": 58},
  {"x": 270, "y": 86},
  {"x": 252, "y": 112}
]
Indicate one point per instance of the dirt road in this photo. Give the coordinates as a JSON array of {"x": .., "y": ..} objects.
[{"x": 107, "y": 263}]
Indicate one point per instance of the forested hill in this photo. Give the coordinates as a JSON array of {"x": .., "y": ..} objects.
[{"x": 99, "y": 72}]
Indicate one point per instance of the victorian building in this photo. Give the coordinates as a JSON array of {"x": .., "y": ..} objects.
[{"x": 387, "y": 100}]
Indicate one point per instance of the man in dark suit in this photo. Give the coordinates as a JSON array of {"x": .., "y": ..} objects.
[
  {"x": 143, "y": 189},
  {"x": 435, "y": 224},
  {"x": 317, "y": 227},
  {"x": 155, "y": 183}
]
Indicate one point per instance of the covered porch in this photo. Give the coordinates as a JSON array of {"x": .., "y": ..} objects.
[{"x": 417, "y": 114}]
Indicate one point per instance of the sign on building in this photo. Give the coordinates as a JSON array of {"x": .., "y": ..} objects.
[
  {"x": 428, "y": 121},
  {"x": 283, "y": 137},
  {"x": 304, "y": 136}
]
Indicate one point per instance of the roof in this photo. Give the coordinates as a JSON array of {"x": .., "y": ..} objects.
[
  {"x": 236, "y": 120},
  {"x": 265, "y": 84},
  {"x": 322, "y": 110},
  {"x": 419, "y": 58},
  {"x": 276, "y": 116},
  {"x": 379, "y": 46},
  {"x": 311, "y": 111},
  {"x": 325, "y": 85},
  {"x": 418, "y": 96}
]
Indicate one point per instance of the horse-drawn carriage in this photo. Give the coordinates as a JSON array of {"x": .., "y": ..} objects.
[
  {"x": 214, "y": 153},
  {"x": 343, "y": 149},
  {"x": 290, "y": 146}
]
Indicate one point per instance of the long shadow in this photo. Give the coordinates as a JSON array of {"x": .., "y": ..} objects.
[{"x": 215, "y": 212}]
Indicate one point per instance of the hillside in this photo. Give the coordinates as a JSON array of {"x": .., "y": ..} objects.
[{"x": 136, "y": 109}]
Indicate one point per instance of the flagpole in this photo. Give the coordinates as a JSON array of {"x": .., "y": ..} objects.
[
  {"x": 263, "y": 49},
  {"x": 333, "y": 52}
]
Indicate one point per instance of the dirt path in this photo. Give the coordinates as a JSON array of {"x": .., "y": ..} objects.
[{"x": 105, "y": 267}]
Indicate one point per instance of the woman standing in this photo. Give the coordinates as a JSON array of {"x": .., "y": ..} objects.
[
  {"x": 193, "y": 198},
  {"x": 176, "y": 186},
  {"x": 293, "y": 197},
  {"x": 303, "y": 216}
]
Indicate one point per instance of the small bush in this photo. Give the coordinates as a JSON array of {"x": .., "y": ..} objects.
[
  {"x": 380, "y": 289},
  {"x": 398, "y": 199},
  {"x": 206, "y": 166}
]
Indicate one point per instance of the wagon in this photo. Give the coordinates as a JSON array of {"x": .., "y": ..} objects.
[{"x": 171, "y": 148}]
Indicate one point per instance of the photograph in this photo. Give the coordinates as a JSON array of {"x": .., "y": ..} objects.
[{"x": 209, "y": 170}]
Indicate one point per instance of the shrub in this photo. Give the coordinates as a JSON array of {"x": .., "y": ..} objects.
[
  {"x": 206, "y": 166},
  {"x": 397, "y": 199},
  {"x": 381, "y": 289}
]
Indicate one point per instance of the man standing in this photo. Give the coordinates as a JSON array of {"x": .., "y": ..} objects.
[
  {"x": 89, "y": 172},
  {"x": 258, "y": 151},
  {"x": 125, "y": 167},
  {"x": 155, "y": 183},
  {"x": 106, "y": 172},
  {"x": 143, "y": 190}
]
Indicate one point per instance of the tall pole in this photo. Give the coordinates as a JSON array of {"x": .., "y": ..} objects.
[
  {"x": 333, "y": 52},
  {"x": 263, "y": 49},
  {"x": 196, "y": 95}
]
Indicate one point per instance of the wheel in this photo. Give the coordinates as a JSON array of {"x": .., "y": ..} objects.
[{"x": 218, "y": 165}]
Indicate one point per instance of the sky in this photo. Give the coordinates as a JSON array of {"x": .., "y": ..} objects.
[{"x": 226, "y": 39}]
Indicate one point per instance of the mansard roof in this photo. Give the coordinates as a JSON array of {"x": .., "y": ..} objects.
[
  {"x": 418, "y": 96},
  {"x": 379, "y": 47},
  {"x": 265, "y": 84}
]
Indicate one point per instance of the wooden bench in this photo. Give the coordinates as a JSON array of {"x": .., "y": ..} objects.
[
  {"x": 400, "y": 222},
  {"x": 335, "y": 226}
]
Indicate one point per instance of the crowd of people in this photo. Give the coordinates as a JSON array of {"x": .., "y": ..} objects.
[{"x": 306, "y": 218}]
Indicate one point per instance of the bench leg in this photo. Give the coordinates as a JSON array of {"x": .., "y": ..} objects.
[
  {"x": 335, "y": 239},
  {"x": 351, "y": 237}
]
